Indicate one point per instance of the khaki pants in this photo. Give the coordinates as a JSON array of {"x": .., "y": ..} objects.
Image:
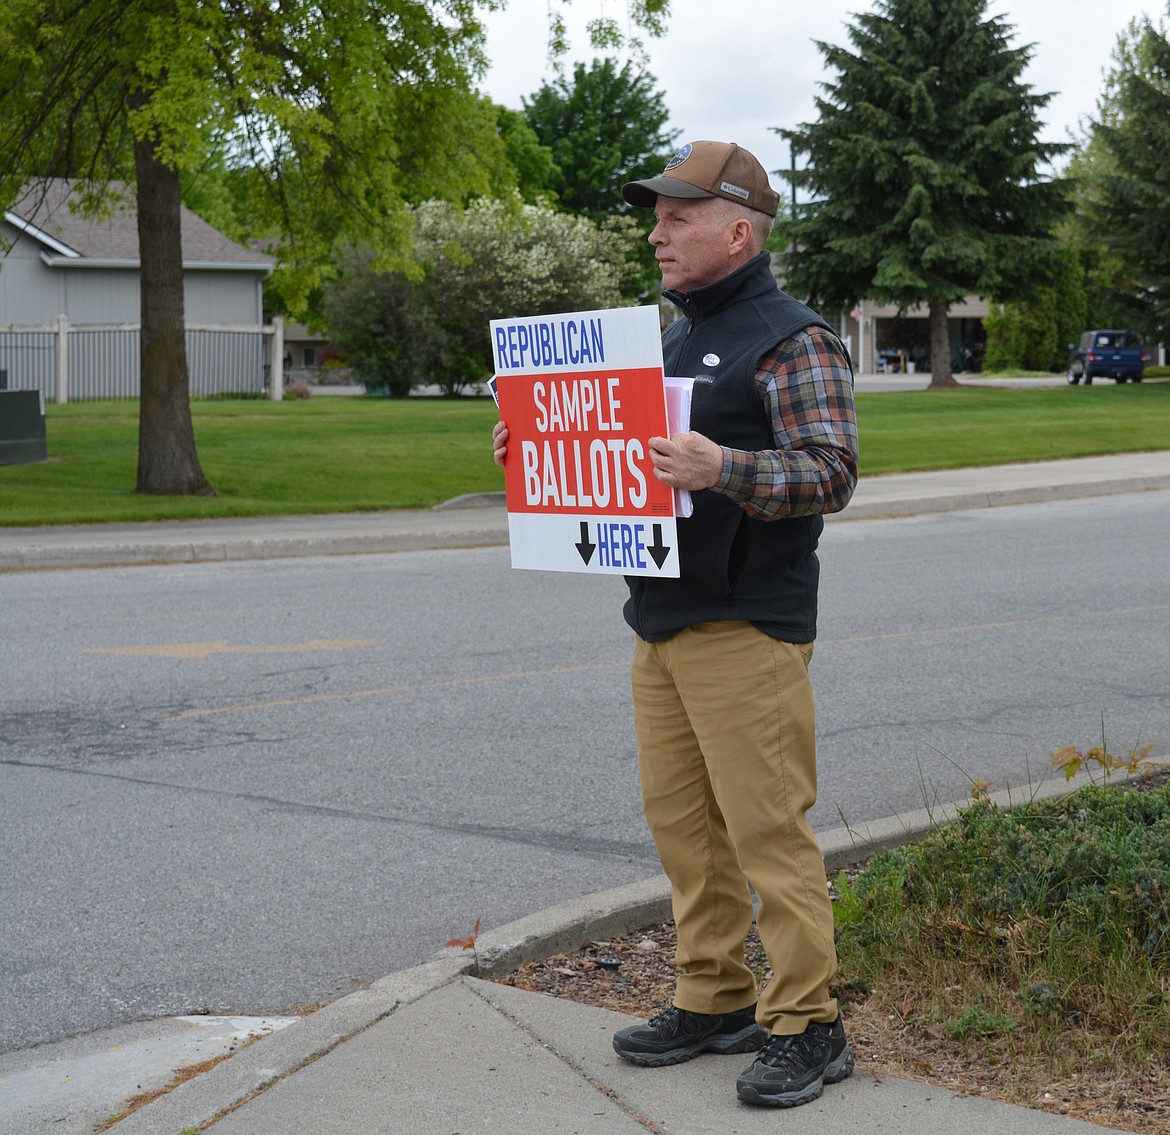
[{"x": 727, "y": 754}]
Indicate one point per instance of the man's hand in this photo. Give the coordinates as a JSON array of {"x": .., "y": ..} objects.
[
  {"x": 686, "y": 461},
  {"x": 499, "y": 443}
]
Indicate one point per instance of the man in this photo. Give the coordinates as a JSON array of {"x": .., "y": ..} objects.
[{"x": 723, "y": 706}]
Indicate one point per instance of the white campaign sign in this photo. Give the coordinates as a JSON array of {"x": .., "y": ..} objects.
[{"x": 582, "y": 394}]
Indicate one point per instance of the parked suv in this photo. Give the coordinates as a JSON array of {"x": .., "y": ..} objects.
[{"x": 1107, "y": 354}]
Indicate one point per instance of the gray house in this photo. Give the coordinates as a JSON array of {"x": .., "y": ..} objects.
[{"x": 69, "y": 297}]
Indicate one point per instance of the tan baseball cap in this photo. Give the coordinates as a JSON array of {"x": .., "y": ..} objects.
[{"x": 708, "y": 169}]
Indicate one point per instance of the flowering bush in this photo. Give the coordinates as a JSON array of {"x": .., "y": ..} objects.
[{"x": 493, "y": 259}]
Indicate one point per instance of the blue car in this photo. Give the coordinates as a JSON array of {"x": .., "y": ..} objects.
[{"x": 1107, "y": 354}]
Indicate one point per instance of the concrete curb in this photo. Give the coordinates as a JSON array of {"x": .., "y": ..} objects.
[
  {"x": 247, "y": 1073},
  {"x": 63, "y": 548},
  {"x": 923, "y": 501},
  {"x": 558, "y": 929},
  {"x": 998, "y": 498}
]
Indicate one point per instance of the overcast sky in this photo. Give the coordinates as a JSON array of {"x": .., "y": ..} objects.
[{"x": 729, "y": 71}]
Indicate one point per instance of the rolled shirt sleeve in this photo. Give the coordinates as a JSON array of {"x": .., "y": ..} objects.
[{"x": 806, "y": 387}]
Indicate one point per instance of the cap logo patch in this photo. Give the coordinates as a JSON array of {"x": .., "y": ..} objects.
[
  {"x": 678, "y": 158},
  {"x": 711, "y": 360},
  {"x": 736, "y": 190}
]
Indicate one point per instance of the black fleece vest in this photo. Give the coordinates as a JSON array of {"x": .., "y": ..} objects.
[{"x": 733, "y": 566}]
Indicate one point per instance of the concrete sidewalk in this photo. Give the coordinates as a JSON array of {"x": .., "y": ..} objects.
[
  {"x": 480, "y": 520},
  {"x": 436, "y": 1051}
]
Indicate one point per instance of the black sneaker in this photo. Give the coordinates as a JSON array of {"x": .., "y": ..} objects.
[
  {"x": 793, "y": 1070},
  {"x": 677, "y": 1034}
]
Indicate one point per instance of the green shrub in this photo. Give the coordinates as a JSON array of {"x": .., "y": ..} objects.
[
  {"x": 1074, "y": 869},
  {"x": 1043, "y": 932}
]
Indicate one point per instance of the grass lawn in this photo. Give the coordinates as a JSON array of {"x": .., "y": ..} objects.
[
  {"x": 355, "y": 454},
  {"x": 947, "y": 429}
]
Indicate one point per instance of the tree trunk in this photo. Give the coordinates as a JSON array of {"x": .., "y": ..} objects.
[
  {"x": 167, "y": 461},
  {"x": 941, "y": 374}
]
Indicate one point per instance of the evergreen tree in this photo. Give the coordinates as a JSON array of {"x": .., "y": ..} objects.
[
  {"x": 924, "y": 169},
  {"x": 1109, "y": 285},
  {"x": 1129, "y": 192}
]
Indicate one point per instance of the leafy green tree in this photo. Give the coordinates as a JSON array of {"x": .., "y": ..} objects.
[
  {"x": 335, "y": 110},
  {"x": 604, "y": 127},
  {"x": 923, "y": 169},
  {"x": 533, "y": 162},
  {"x": 337, "y": 113},
  {"x": 605, "y": 32},
  {"x": 492, "y": 259},
  {"x": 1129, "y": 182}
]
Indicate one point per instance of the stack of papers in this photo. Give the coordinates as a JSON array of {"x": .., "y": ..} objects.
[{"x": 678, "y": 421}]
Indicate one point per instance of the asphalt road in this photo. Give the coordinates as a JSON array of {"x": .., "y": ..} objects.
[{"x": 249, "y": 787}]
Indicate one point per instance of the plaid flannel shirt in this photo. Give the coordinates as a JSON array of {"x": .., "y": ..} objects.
[{"x": 807, "y": 389}]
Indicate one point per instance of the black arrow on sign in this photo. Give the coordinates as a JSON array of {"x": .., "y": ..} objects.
[
  {"x": 658, "y": 550},
  {"x": 585, "y": 548}
]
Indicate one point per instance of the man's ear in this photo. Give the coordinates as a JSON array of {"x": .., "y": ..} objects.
[{"x": 741, "y": 236}]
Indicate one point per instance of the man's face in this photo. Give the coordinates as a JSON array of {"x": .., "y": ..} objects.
[{"x": 692, "y": 240}]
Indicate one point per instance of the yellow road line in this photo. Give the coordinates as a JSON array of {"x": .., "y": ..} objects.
[
  {"x": 408, "y": 688},
  {"x": 524, "y": 674}
]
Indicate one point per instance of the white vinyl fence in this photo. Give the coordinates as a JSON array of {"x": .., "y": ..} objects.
[{"x": 101, "y": 360}]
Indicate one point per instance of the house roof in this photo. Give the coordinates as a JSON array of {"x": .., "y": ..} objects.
[{"x": 46, "y": 211}]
